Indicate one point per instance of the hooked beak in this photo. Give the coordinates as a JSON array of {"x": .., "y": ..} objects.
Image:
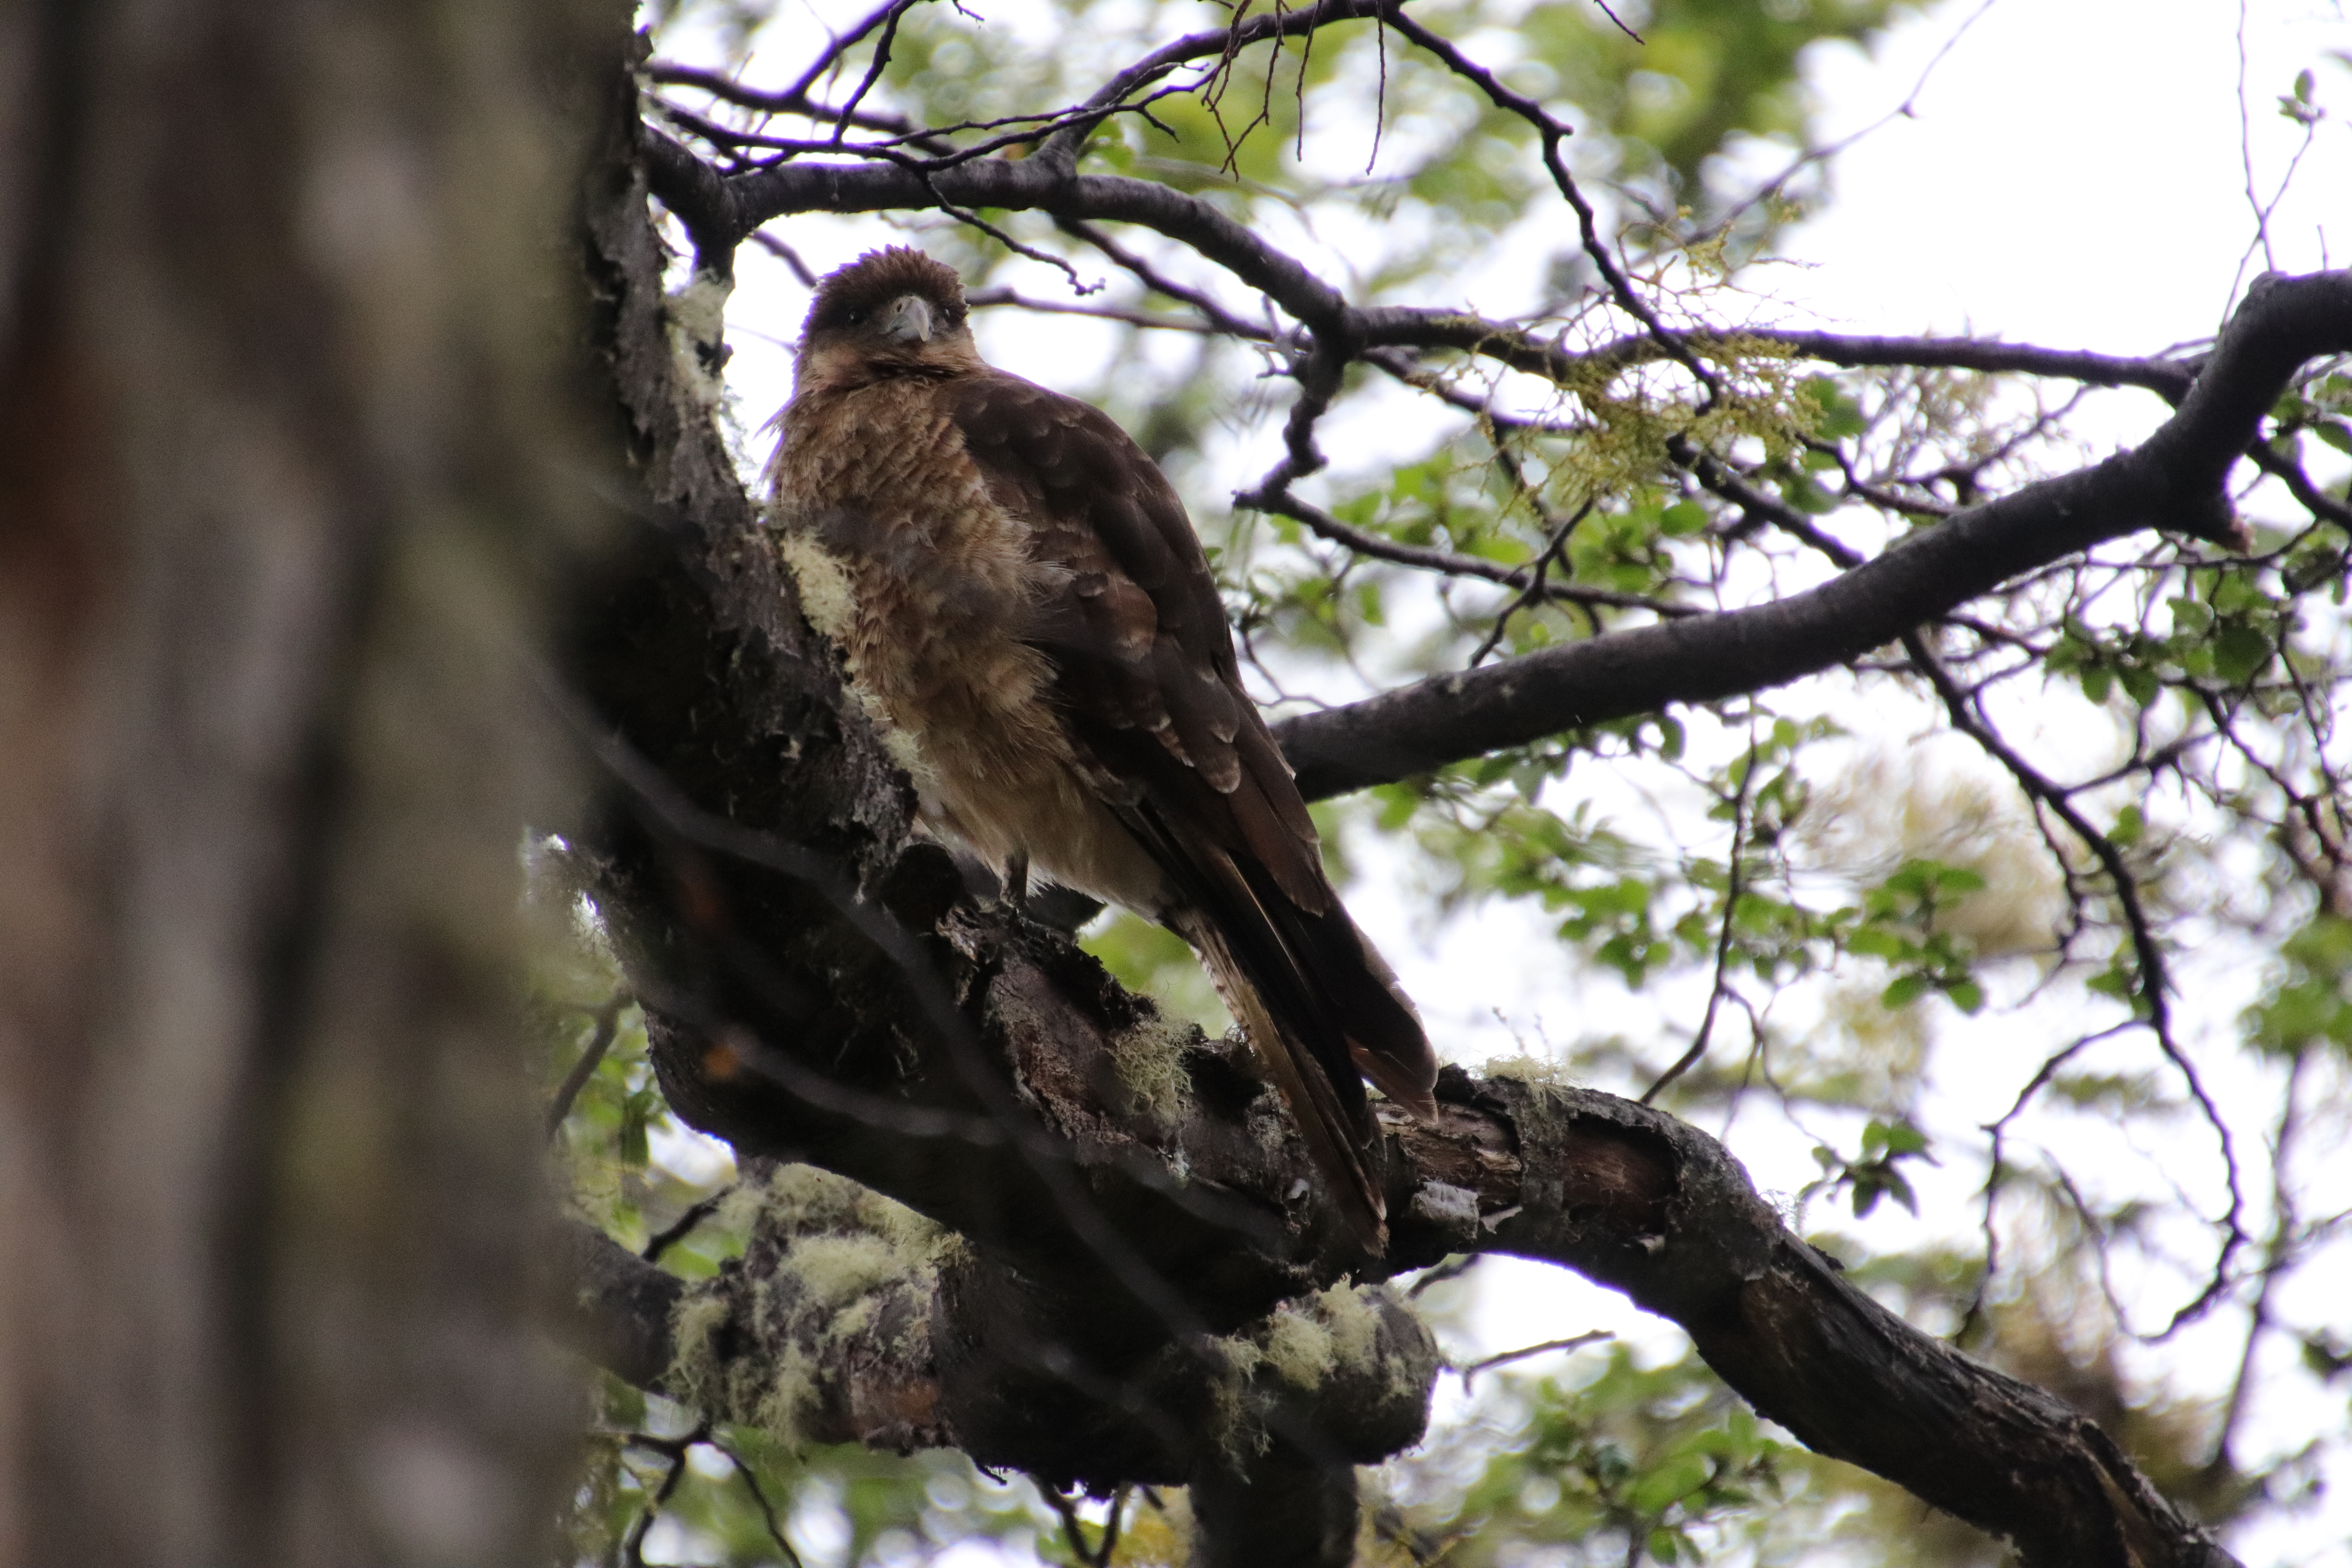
[{"x": 910, "y": 319}]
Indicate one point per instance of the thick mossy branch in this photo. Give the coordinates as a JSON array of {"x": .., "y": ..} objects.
[
  {"x": 850, "y": 1318},
  {"x": 821, "y": 1332}
]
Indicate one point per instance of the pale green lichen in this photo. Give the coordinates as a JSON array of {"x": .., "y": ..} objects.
[
  {"x": 739, "y": 1209},
  {"x": 698, "y": 325},
  {"x": 1301, "y": 1344},
  {"x": 1298, "y": 1349},
  {"x": 792, "y": 1398},
  {"x": 853, "y": 1320},
  {"x": 695, "y": 1374},
  {"x": 1615, "y": 418},
  {"x": 1356, "y": 1315},
  {"x": 1352, "y": 1315},
  {"x": 916, "y": 1236},
  {"x": 1535, "y": 1072},
  {"x": 1149, "y": 1060},
  {"x": 1242, "y": 1356},
  {"x": 846, "y": 1253},
  {"x": 829, "y": 600},
  {"x": 802, "y": 1198},
  {"x": 835, "y": 1270},
  {"x": 850, "y": 1246},
  {"x": 1234, "y": 1416}
]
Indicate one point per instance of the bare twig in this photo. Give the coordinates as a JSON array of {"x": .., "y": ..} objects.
[
  {"x": 607, "y": 1017},
  {"x": 2276, "y": 1254},
  {"x": 1218, "y": 318},
  {"x": 891, "y": 17},
  {"x": 1811, "y": 156},
  {"x": 1284, "y": 504},
  {"x": 1533, "y": 593},
  {"x": 675, "y": 1450},
  {"x": 984, "y": 299},
  {"x": 1574, "y": 1341},
  {"x": 760, "y": 1498},
  {"x": 1452, "y": 1269},
  {"x": 679, "y": 1230},
  {"x": 1720, "y": 981},
  {"x": 831, "y": 54},
  {"x": 2156, "y": 985},
  {"x": 1098, "y": 1556},
  {"x": 1552, "y": 133},
  {"x": 1997, "y": 1169},
  {"x": 792, "y": 100},
  {"x": 787, "y": 254}
]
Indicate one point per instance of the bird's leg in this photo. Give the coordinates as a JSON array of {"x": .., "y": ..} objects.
[{"x": 1017, "y": 881}]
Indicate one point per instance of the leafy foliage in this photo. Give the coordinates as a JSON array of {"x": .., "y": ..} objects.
[{"x": 1622, "y": 1462}]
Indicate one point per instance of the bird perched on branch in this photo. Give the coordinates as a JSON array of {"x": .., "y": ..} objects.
[{"x": 1022, "y": 601}]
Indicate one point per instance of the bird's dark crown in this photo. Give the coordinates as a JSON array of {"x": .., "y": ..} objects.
[{"x": 848, "y": 295}]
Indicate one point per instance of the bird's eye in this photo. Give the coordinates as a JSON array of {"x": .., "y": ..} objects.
[{"x": 858, "y": 318}]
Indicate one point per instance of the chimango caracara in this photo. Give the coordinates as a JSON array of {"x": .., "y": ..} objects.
[{"x": 1020, "y": 597}]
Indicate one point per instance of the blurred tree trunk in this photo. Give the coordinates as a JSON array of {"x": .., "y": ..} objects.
[{"x": 289, "y": 454}]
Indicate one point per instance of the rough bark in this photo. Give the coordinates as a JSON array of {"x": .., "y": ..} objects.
[
  {"x": 826, "y": 992},
  {"x": 284, "y": 343}
]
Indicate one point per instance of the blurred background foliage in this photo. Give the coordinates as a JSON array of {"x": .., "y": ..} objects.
[{"x": 1829, "y": 895}]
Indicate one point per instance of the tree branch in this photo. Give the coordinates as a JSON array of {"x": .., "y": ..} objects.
[
  {"x": 2173, "y": 481},
  {"x": 706, "y": 199}
]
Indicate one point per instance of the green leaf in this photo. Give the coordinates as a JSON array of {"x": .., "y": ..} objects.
[
  {"x": 1892, "y": 1140},
  {"x": 2236, "y": 593},
  {"x": 1683, "y": 519},
  {"x": 1898, "y": 1187},
  {"x": 632, "y": 1148},
  {"x": 1905, "y": 990},
  {"x": 2239, "y": 653},
  {"x": 2323, "y": 947},
  {"x": 1877, "y": 941},
  {"x": 1673, "y": 1481}
]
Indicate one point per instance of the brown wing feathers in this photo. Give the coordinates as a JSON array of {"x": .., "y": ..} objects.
[
  {"x": 1148, "y": 694},
  {"x": 1217, "y": 809}
]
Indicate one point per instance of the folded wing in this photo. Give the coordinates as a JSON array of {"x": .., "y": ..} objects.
[{"x": 1147, "y": 682}]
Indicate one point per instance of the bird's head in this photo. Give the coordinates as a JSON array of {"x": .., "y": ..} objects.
[{"x": 889, "y": 312}]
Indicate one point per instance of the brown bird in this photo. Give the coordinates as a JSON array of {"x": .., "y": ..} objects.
[{"x": 1024, "y": 603}]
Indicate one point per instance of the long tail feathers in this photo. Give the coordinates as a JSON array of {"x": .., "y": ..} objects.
[
  {"x": 1383, "y": 1029},
  {"x": 1337, "y": 1139},
  {"x": 1321, "y": 1006}
]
